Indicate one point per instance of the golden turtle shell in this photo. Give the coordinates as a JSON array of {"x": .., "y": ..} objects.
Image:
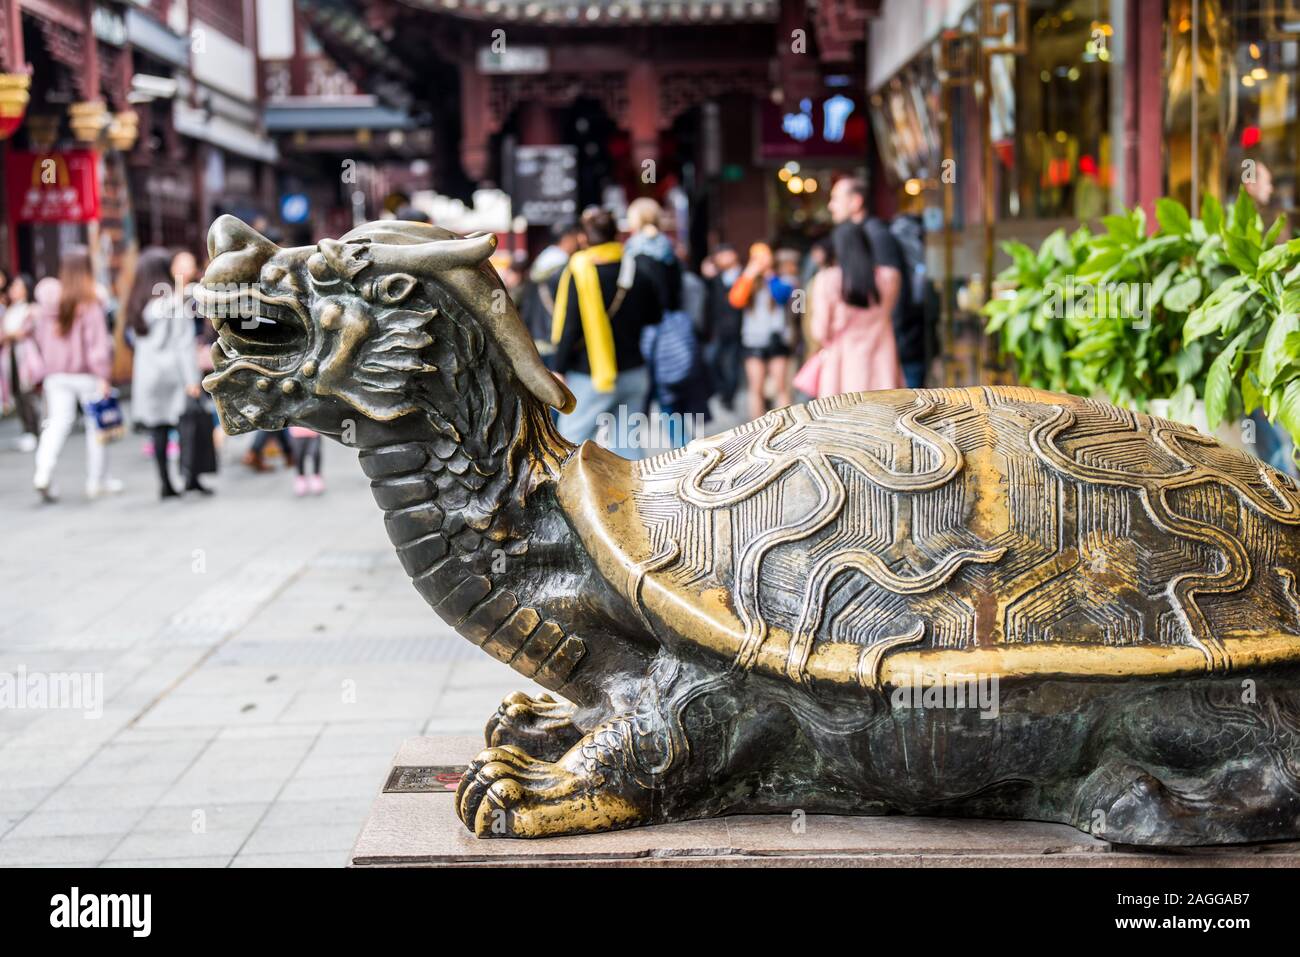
[{"x": 892, "y": 538}]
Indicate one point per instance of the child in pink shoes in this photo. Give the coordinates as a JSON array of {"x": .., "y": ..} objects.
[{"x": 306, "y": 446}]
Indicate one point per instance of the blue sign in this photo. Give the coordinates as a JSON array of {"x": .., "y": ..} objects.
[{"x": 294, "y": 208}]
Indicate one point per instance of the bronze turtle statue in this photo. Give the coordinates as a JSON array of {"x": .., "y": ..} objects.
[{"x": 989, "y": 602}]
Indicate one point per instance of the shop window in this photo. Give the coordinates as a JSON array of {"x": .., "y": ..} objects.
[
  {"x": 1053, "y": 155},
  {"x": 1242, "y": 87}
]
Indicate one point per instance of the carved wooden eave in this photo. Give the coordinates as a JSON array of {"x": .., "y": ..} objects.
[{"x": 605, "y": 13}]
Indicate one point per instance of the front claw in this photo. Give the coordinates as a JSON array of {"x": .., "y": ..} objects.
[
  {"x": 508, "y": 793},
  {"x": 539, "y": 726}
]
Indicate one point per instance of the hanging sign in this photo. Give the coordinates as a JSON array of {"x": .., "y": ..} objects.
[
  {"x": 60, "y": 187},
  {"x": 826, "y": 127}
]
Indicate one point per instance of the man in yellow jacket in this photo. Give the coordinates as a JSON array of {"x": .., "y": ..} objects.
[{"x": 602, "y": 304}]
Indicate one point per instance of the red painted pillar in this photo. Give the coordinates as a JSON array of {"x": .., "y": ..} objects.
[
  {"x": 1144, "y": 105},
  {"x": 643, "y": 116},
  {"x": 13, "y": 58},
  {"x": 474, "y": 122}
]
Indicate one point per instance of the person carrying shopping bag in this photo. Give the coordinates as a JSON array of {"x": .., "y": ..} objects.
[
  {"x": 70, "y": 331},
  {"x": 166, "y": 373}
]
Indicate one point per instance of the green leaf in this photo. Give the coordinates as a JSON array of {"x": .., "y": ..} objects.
[
  {"x": 1278, "y": 350},
  {"x": 1272, "y": 260},
  {"x": 1274, "y": 231},
  {"x": 1252, "y": 397},
  {"x": 1173, "y": 217},
  {"x": 1206, "y": 319},
  {"x": 1218, "y": 382},
  {"x": 1181, "y": 403},
  {"x": 1211, "y": 213},
  {"x": 1286, "y": 409},
  {"x": 1218, "y": 385},
  {"x": 1052, "y": 352},
  {"x": 1242, "y": 253},
  {"x": 1187, "y": 361},
  {"x": 1182, "y": 296},
  {"x": 1100, "y": 261},
  {"x": 1121, "y": 228},
  {"x": 1243, "y": 214},
  {"x": 1056, "y": 249},
  {"x": 1160, "y": 285}
]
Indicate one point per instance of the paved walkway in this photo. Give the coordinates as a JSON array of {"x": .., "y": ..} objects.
[{"x": 262, "y": 657}]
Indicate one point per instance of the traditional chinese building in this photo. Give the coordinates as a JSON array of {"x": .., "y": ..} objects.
[
  {"x": 163, "y": 93},
  {"x": 671, "y": 99}
]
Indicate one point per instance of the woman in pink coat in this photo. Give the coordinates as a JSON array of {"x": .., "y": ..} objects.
[
  {"x": 857, "y": 351},
  {"x": 72, "y": 335}
]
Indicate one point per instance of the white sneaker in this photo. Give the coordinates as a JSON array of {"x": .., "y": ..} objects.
[
  {"x": 109, "y": 486},
  {"x": 26, "y": 442}
]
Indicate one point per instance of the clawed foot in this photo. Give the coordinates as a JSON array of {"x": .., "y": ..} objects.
[
  {"x": 537, "y": 726},
  {"x": 1126, "y": 804},
  {"x": 508, "y": 793}
]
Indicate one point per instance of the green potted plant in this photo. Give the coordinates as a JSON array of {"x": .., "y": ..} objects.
[{"x": 1198, "y": 321}]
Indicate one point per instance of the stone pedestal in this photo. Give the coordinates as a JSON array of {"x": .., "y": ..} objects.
[{"x": 413, "y": 824}]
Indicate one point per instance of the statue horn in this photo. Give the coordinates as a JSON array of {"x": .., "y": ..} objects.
[{"x": 431, "y": 257}]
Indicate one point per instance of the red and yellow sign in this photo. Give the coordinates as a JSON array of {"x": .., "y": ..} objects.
[{"x": 60, "y": 187}]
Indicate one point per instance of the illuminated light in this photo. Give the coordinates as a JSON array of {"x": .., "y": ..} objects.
[
  {"x": 792, "y": 166},
  {"x": 1185, "y": 25},
  {"x": 1087, "y": 165},
  {"x": 1060, "y": 136},
  {"x": 1250, "y": 136},
  {"x": 1259, "y": 73},
  {"x": 783, "y": 174},
  {"x": 1073, "y": 74},
  {"x": 913, "y": 187},
  {"x": 795, "y": 185},
  {"x": 1247, "y": 80},
  {"x": 1103, "y": 55},
  {"x": 1254, "y": 51},
  {"x": 1045, "y": 77},
  {"x": 810, "y": 185}
]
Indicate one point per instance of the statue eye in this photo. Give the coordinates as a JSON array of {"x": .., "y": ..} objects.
[{"x": 320, "y": 269}]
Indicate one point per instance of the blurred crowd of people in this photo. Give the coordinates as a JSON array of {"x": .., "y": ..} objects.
[
  {"x": 630, "y": 326},
  {"x": 63, "y": 346}
]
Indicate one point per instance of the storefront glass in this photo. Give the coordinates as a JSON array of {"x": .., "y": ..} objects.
[
  {"x": 1231, "y": 110},
  {"x": 1064, "y": 158}
]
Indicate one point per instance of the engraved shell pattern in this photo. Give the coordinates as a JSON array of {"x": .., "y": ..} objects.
[{"x": 959, "y": 520}]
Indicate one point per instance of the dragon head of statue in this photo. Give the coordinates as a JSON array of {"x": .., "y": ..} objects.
[{"x": 393, "y": 319}]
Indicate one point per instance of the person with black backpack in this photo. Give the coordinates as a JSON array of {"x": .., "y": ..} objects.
[
  {"x": 848, "y": 204},
  {"x": 919, "y": 299}
]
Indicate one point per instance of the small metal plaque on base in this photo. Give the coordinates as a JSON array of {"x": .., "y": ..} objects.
[{"x": 424, "y": 778}]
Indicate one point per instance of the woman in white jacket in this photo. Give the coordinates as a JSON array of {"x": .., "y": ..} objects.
[{"x": 166, "y": 368}]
